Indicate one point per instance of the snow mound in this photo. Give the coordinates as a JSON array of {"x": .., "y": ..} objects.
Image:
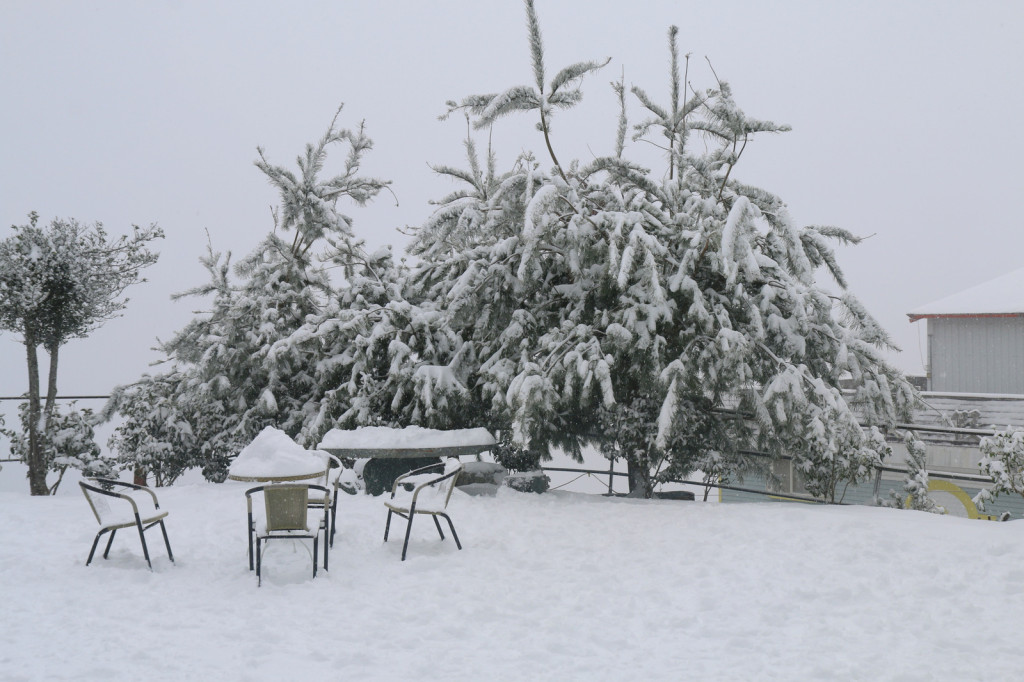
[
  {"x": 274, "y": 453},
  {"x": 410, "y": 437}
]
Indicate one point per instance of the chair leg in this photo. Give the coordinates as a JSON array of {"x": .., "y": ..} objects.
[
  {"x": 167, "y": 543},
  {"x": 316, "y": 542},
  {"x": 142, "y": 537},
  {"x": 437, "y": 525},
  {"x": 110, "y": 541},
  {"x": 92, "y": 551},
  {"x": 387, "y": 526},
  {"x": 259, "y": 561},
  {"x": 334, "y": 515},
  {"x": 250, "y": 541},
  {"x": 452, "y": 527},
  {"x": 408, "y": 530},
  {"x": 327, "y": 545}
]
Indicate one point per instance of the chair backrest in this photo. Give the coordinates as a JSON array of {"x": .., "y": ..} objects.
[
  {"x": 286, "y": 507},
  {"x": 97, "y": 502},
  {"x": 441, "y": 491},
  {"x": 451, "y": 465}
]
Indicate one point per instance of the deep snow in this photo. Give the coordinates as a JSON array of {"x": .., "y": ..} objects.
[{"x": 549, "y": 587}]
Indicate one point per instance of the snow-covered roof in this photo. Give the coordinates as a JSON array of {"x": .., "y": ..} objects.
[{"x": 1003, "y": 295}]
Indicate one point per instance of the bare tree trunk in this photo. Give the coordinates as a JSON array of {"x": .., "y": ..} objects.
[
  {"x": 50, "y": 407},
  {"x": 51, "y": 388},
  {"x": 640, "y": 484},
  {"x": 36, "y": 459}
]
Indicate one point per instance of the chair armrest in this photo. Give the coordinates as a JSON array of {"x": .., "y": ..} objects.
[
  {"x": 417, "y": 480},
  {"x": 327, "y": 495},
  {"x": 248, "y": 496},
  {"x": 418, "y": 473},
  {"x": 428, "y": 481}
]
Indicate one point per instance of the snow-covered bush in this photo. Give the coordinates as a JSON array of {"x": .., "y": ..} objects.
[
  {"x": 155, "y": 436},
  {"x": 1002, "y": 460},
  {"x": 68, "y": 443},
  {"x": 914, "y": 494}
]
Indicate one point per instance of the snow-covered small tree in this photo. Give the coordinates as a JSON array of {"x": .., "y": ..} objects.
[
  {"x": 1002, "y": 460},
  {"x": 155, "y": 435},
  {"x": 59, "y": 283},
  {"x": 915, "y": 493},
  {"x": 69, "y": 443}
]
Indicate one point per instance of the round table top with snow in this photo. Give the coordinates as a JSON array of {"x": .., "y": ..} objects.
[
  {"x": 273, "y": 457},
  {"x": 412, "y": 441},
  {"x": 276, "y": 478}
]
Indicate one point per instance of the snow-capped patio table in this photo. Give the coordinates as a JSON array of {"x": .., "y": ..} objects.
[
  {"x": 383, "y": 442},
  {"x": 273, "y": 457}
]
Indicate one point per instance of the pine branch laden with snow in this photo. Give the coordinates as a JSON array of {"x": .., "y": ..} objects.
[{"x": 309, "y": 203}]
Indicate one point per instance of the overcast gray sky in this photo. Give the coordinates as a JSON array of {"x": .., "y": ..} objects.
[{"x": 906, "y": 124}]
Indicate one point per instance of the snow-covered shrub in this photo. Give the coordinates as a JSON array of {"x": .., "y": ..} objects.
[
  {"x": 68, "y": 442},
  {"x": 1002, "y": 460},
  {"x": 914, "y": 494},
  {"x": 155, "y": 436}
]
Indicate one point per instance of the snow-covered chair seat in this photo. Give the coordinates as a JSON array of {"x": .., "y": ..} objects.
[
  {"x": 125, "y": 513},
  {"x": 420, "y": 492},
  {"x": 286, "y": 516}
]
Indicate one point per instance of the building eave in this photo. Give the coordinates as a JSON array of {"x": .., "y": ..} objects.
[{"x": 936, "y": 316}]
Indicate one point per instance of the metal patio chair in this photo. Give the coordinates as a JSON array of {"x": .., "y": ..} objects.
[
  {"x": 430, "y": 495},
  {"x": 286, "y": 517},
  {"x": 99, "y": 492}
]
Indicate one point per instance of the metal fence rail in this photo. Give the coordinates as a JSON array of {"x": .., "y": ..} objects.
[{"x": 925, "y": 428}]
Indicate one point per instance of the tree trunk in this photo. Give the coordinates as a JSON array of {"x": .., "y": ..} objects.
[
  {"x": 51, "y": 389},
  {"x": 36, "y": 459},
  {"x": 640, "y": 484},
  {"x": 51, "y": 406}
]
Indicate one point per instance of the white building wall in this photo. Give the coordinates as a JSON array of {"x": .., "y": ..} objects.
[{"x": 976, "y": 355}]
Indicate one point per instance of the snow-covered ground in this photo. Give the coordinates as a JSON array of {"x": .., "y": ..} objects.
[{"x": 557, "y": 586}]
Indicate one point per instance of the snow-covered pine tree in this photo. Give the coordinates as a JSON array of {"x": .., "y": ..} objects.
[
  {"x": 230, "y": 372},
  {"x": 601, "y": 293}
]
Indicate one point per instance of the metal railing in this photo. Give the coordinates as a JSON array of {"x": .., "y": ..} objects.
[{"x": 924, "y": 428}]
